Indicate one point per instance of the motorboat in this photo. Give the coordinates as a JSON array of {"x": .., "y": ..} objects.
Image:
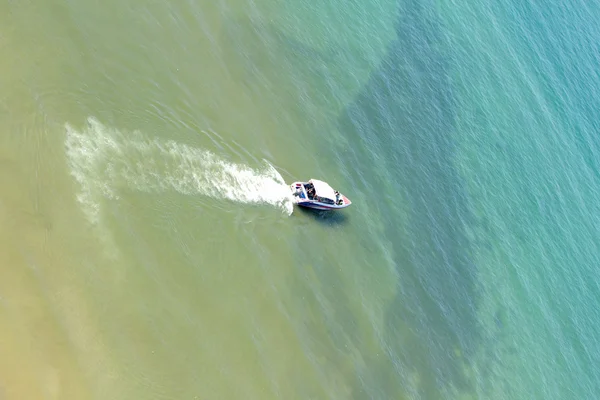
[{"x": 318, "y": 195}]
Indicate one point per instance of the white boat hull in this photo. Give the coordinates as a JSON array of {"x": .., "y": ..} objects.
[{"x": 302, "y": 198}]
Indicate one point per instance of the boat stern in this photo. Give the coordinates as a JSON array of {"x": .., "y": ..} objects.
[{"x": 298, "y": 192}]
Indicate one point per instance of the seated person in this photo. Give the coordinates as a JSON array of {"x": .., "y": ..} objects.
[{"x": 338, "y": 199}]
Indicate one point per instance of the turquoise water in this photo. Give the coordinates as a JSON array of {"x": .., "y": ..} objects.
[
  {"x": 483, "y": 122},
  {"x": 151, "y": 250}
]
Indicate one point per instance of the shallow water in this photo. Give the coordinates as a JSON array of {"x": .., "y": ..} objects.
[{"x": 149, "y": 248}]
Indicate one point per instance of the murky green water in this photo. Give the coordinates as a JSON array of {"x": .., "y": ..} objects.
[{"x": 149, "y": 249}]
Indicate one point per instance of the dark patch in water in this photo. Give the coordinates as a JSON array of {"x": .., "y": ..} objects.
[
  {"x": 327, "y": 218},
  {"x": 406, "y": 115}
]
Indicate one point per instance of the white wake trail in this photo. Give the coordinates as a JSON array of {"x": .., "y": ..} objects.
[{"x": 104, "y": 160}]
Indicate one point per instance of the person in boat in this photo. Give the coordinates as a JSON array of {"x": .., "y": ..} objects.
[
  {"x": 338, "y": 199},
  {"x": 311, "y": 192}
]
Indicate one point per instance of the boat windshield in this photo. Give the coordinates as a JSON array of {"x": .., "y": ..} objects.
[{"x": 324, "y": 200}]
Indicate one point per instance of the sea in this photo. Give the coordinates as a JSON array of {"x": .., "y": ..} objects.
[{"x": 150, "y": 249}]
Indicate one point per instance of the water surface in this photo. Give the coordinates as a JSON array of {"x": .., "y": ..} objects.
[{"x": 149, "y": 248}]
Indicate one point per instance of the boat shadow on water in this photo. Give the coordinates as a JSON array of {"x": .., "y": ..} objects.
[{"x": 324, "y": 217}]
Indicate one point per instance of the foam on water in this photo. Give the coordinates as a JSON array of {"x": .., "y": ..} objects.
[{"x": 104, "y": 160}]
